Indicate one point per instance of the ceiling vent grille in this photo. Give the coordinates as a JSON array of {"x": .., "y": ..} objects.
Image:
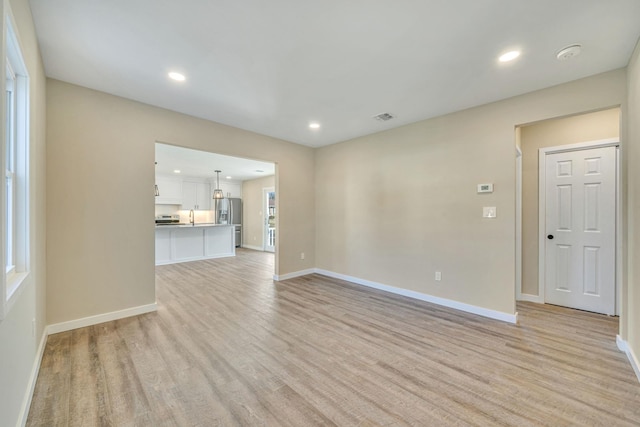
[{"x": 383, "y": 117}]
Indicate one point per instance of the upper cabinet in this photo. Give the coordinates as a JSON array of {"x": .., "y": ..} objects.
[
  {"x": 230, "y": 188},
  {"x": 192, "y": 192},
  {"x": 195, "y": 195},
  {"x": 169, "y": 189}
]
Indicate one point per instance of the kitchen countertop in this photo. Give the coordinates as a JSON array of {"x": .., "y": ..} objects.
[{"x": 201, "y": 224}]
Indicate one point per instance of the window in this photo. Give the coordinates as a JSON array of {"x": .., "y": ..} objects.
[
  {"x": 15, "y": 155},
  {"x": 9, "y": 163}
]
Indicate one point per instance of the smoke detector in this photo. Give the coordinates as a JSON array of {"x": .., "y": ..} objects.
[
  {"x": 383, "y": 117},
  {"x": 569, "y": 52}
]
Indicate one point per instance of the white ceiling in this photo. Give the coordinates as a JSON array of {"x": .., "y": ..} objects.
[
  {"x": 203, "y": 164},
  {"x": 274, "y": 66}
]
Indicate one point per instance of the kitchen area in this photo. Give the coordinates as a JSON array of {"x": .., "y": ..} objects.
[{"x": 198, "y": 203}]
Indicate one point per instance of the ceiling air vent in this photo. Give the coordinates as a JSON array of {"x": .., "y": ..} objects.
[{"x": 383, "y": 117}]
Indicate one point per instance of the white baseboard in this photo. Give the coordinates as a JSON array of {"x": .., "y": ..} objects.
[
  {"x": 633, "y": 359},
  {"x": 497, "y": 315},
  {"x": 100, "y": 318},
  {"x": 530, "y": 298},
  {"x": 254, "y": 248},
  {"x": 26, "y": 402},
  {"x": 294, "y": 274},
  {"x": 198, "y": 258}
]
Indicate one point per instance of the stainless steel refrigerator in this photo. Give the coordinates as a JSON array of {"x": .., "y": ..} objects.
[{"x": 229, "y": 211}]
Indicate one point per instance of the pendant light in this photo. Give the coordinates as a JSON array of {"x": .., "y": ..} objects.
[
  {"x": 156, "y": 185},
  {"x": 217, "y": 193}
]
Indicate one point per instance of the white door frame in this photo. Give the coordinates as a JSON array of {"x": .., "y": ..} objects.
[
  {"x": 542, "y": 209},
  {"x": 265, "y": 225},
  {"x": 518, "y": 280}
]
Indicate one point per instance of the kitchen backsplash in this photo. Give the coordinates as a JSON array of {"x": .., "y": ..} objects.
[
  {"x": 201, "y": 216},
  {"x": 167, "y": 209}
]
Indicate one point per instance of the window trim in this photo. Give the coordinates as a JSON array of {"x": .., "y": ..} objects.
[
  {"x": 12, "y": 278},
  {"x": 10, "y": 165}
]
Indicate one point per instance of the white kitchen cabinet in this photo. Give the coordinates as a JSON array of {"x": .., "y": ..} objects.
[
  {"x": 195, "y": 195},
  {"x": 231, "y": 188},
  {"x": 182, "y": 243},
  {"x": 169, "y": 189}
]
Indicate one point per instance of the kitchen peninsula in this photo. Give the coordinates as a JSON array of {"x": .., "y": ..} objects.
[{"x": 191, "y": 242}]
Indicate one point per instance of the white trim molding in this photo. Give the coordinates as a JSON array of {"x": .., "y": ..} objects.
[
  {"x": 294, "y": 274},
  {"x": 530, "y": 298},
  {"x": 633, "y": 359},
  {"x": 253, "y": 248},
  {"x": 100, "y": 318},
  {"x": 31, "y": 386},
  {"x": 518, "y": 248},
  {"x": 492, "y": 314}
]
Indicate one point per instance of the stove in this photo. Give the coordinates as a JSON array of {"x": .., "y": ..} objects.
[{"x": 167, "y": 219}]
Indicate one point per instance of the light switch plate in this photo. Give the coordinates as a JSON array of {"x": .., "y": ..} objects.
[{"x": 489, "y": 212}]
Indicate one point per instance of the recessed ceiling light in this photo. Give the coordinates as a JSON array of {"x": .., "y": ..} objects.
[
  {"x": 177, "y": 76},
  {"x": 314, "y": 125},
  {"x": 228, "y": 177},
  {"x": 176, "y": 171},
  {"x": 509, "y": 56}
]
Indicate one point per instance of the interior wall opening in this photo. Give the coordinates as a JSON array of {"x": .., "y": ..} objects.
[
  {"x": 531, "y": 139},
  {"x": 209, "y": 205}
]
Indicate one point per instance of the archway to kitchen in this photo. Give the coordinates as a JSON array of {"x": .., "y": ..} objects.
[{"x": 204, "y": 214}]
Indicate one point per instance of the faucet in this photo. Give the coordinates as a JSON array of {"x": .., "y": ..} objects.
[{"x": 192, "y": 217}]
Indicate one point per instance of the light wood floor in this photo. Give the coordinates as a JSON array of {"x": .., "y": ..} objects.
[{"x": 229, "y": 347}]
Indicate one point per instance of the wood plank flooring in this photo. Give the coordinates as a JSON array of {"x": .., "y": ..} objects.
[{"x": 229, "y": 347}]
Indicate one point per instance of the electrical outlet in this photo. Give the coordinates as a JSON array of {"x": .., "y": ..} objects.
[
  {"x": 438, "y": 276},
  {"x": 301, "y": 255}
]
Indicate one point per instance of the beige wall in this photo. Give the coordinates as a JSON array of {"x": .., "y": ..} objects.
[
  {"x": 569, "y": 130},
  {"x": 396, "y": 206},
  {"x": 630, "y": 321},
  {"x": 100, "y": 172},
  {"x": 18, "y": 347},
  {"x": 253, "y": 211}
]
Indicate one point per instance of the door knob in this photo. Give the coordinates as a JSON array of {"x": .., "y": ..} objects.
[{"x": 550, "y": 236}]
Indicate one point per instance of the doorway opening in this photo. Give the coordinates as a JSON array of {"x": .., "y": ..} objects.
[
  {"x": 221, "y": 195},
  {"x": 534, "y": 262},
  {"x": 269, "y": 203}
]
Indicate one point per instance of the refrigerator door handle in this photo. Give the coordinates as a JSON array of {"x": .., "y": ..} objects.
[{"x": 230, "y": 221}]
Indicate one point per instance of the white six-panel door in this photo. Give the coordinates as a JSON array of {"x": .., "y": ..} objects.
[{"x": 580, "y": 229}]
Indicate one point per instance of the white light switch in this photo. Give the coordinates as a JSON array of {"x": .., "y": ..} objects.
[{"x": 489, "y": 212}]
